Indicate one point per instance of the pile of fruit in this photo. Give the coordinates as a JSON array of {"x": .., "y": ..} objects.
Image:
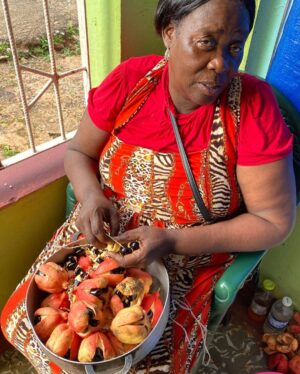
[
  {"x": 283, "y": 350},
  {"x": 95, "y": 310}
]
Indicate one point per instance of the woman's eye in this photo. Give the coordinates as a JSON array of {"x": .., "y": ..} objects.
[
  {"x": 236, "y": 49},
  {"x": 208, "y": 43}
]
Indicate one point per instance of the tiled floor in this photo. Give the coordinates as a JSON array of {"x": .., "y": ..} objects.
[{"x": 235, "y": 348}]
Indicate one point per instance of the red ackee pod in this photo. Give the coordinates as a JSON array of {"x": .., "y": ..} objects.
[
  {"x": 294, "y": 365},
  {"x": 76, "y": 340},
  {"x": 85, "y": 318},
  {"x": 116, "y": 304},
  {"x": 85, "y": 263},
  {"x": 152, "y": 304},
  {"x": 296, "y": 317},
  {"x": 111, "y": 270},
  {"x": 119, "y": 347},
  {"x": 51, "y": 278},
  {"x": 46, "y": 319},
  {"x": 95, "y": 347},
  {"x": 278, "y": 362},
  {"x": 57, "y": 301},
  {"x": 63, "y": 340},
  {"x": 94, "y": 291}
]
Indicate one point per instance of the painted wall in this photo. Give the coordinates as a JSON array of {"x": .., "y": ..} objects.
[
  {"x": 138, "y": 35},
  {"x": 25, "y": 227},
  {"x": 249, "y": 40},
  {"x": 283, "y": 263},
  {"x": 267, "y": 26},
  {"x": 104, "y": 28}
]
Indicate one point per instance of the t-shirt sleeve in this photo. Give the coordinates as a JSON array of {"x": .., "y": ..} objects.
[
  {"x": 106, "y": 100},
  {"x": 264, "y": 136}
]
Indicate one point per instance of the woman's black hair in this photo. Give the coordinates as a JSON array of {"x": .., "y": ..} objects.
[{"x": 168, "y": 11}]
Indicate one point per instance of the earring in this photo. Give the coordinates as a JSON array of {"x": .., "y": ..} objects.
[{"x": 167, "y": 54}]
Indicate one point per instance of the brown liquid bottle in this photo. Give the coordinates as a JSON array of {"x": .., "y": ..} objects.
[{"x": 261, "y": 301}]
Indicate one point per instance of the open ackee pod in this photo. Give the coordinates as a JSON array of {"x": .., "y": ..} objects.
[{"x": 120, "y": 364}]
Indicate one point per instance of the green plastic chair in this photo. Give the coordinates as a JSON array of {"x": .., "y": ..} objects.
[{"x": 235, "y": 276}]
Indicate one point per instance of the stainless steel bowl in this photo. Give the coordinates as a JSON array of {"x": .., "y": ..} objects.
[{"x": 120, "y": 364}]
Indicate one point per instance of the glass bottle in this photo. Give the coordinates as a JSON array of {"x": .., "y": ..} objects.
[
  {"x": 261, "y": 301},
  {"x": 279, "y": 316}
]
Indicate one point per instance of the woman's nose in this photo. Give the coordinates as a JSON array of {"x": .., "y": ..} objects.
[{"x": 219, "y": 62}]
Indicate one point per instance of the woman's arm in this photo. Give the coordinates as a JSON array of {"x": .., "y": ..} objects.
[
  {"x": 270, "y": 198},
  {"x": 269, "y": 194},
  {"x": 81, "y": 165}
]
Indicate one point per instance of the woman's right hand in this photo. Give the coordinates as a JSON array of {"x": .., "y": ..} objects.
[
  {"x": 81, "y": 165},
  {"x": 95, "y": 210}
]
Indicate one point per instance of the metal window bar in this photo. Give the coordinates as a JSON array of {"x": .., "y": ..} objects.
[{"x": 53, "y": 76}]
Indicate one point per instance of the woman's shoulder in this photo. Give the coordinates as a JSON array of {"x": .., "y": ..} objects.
[{"x": 140, "y": 65}]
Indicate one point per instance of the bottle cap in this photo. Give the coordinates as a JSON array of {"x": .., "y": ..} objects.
[
  {"x": 268, "y": 285},
  {"x": 287, "y": 301}
]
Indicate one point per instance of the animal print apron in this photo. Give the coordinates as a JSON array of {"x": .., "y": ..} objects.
[{"x": 151, "y": 188}]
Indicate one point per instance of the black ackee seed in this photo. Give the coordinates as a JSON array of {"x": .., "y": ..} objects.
[
  {"x": 150, "y": 314},
  {"x": 78, "y": 270},
  {"x": 91, "y": 313},
  {"x": 131, "y": 297},
  {"x": 98, "y": 355},
  {"x": 77, "y": 282},
  {"x": 37, "y": 319},
  {"x": 126, "y": 251},
  {"x": 95, "y": 251},
  {"x": 126, "y": 303},
  {"x": 98, "y": 291},
  {"x": 134, "y": 245},
  {"x": 79, "y": 252},
  {"x": 93, "y": 322},
  {"x": 99, "y": 260},
  {"x": 118, "y": 293},
  {"x": 118, "y": 270},
  {"x": 70, "y": 258},
  {"x": 41, "y": 273},
  {"x": 71, "y": 265}
]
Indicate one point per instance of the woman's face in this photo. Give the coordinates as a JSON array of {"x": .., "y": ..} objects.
[{"x": 206, "y": 48}]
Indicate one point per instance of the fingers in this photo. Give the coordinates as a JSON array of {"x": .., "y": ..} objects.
[
  {"x": 134, "y": 259},
  {"x": 114, "y": 222},
  {"x": 91, "y": 222},
  {"x": 97, "y": 228},
  {"x": 129, "y": 236}
]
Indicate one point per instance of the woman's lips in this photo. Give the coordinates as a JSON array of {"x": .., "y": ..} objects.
[{"x": 209, "y": 89}]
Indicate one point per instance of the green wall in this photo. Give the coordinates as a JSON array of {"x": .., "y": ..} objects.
[
  {"x": 103, "y": 24},
  {"x": 249, "y": 40},
  {"x": 282, "y": 264},
  {"x": 25, "y": 227},
  {"x": 138, "y": 35},
  {"x": 267, "y": 26}
]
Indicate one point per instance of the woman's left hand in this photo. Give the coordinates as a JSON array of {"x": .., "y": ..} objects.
[{"x": 154, "y": 243}]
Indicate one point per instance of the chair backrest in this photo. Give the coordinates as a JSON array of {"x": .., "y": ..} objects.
[{"x": 292, "y": 119}]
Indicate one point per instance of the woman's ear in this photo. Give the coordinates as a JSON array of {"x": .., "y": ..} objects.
[{"x": 168, "y": 34}]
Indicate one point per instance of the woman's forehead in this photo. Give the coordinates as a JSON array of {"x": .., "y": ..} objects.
[{"x": 216, "y": 16}]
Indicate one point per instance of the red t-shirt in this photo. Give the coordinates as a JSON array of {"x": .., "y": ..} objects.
[{"x": 263, "y": 135}]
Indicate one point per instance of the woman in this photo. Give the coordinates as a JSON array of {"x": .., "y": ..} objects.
[{"x": 238, "y": 147}]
